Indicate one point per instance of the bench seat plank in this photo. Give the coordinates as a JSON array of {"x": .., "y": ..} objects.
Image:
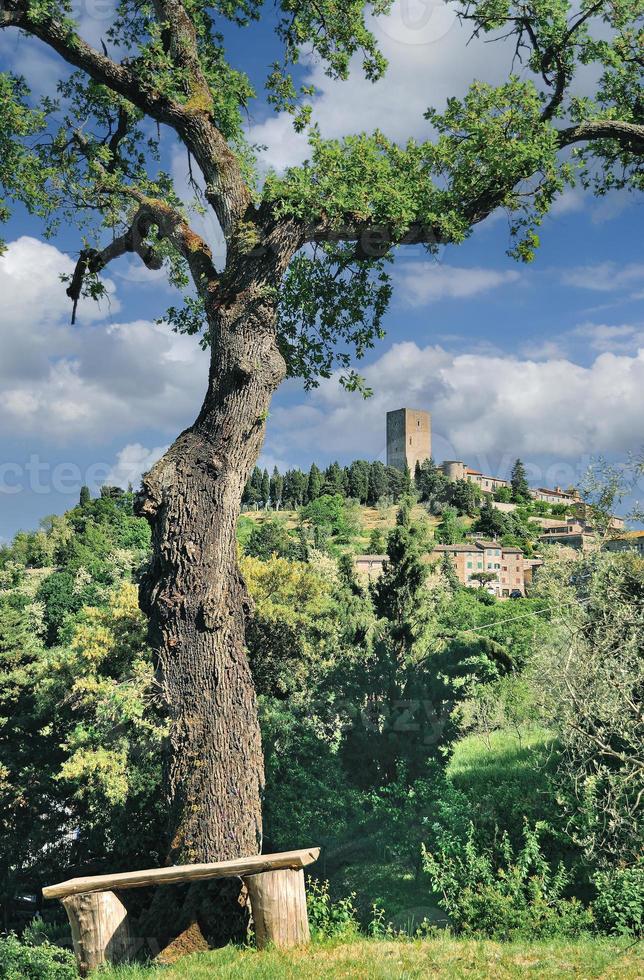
[{"x": 188, "y": 872}]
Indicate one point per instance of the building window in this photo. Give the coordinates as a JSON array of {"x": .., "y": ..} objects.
[{"x": 469, "y": 564}]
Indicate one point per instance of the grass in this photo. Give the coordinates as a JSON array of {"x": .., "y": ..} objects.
[
  {"x": 400, "y": 960},
  {"x": 505, "y": 776}
]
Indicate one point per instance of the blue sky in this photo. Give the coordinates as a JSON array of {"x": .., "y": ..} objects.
[{"x": 544, "y": 361}]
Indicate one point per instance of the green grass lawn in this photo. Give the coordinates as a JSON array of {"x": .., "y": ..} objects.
[{"x": 400, "y": 960}]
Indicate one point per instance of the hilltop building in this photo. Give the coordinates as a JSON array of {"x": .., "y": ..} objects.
[
  {"x": 409, "y": 438},
  {"x": 455, "y": 469},
  {"x": 556, "y": 496},
  {"x": 631, "y": 541},
  {"x": 473, "y": 557}
]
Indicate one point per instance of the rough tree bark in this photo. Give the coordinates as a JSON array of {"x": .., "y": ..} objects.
[{"x": 195, "y": 598}]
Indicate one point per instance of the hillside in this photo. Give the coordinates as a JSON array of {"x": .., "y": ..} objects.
[{"x": 422, "y": 733}]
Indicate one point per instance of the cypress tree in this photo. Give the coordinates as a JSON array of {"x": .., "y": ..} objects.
[
  {"x": 266, "y": 488},
  {"x": 519, "y": 481},
  {"x": 314, "y": 484}
]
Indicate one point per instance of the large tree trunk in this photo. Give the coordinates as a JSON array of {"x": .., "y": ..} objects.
[{"x": 195, "y": 598}]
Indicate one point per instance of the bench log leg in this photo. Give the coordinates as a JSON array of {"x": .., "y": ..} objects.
[
  {"x": 100, "y": 929},
  {"x": 278, "y": 902}
]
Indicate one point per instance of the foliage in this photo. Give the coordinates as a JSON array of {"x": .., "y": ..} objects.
[
  {"x": 293, "y": 627},
  {"x": 589, "y": 682},
  {"x": 271, "y": 538},
  {"x": 450, "y": 530},
  {"x": 519, "y": 481},
  {"x": 331, "y": 516},
  {"x": 80, "y": 729},
  {"x": 330, "y": 298},
  {"x": 619, "y": 906},
  {"x": 329, "y": 919},
  {"x": 22, "y": 961},
  {"x": 501, "y": 893}
]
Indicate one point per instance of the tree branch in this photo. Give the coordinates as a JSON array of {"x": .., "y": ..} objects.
[
  {"x": 226, "y": 190},
  {"x": 629, "y": 135},
  {"x": 172, "y": 226}
]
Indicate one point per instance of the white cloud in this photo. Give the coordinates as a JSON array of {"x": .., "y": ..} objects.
[
  {"x": 132, "y": 462},
  {"x": 618, "y": 338},
  {"x": 92, "y": 381},
  {"x": 423, "y": 282},
  {"x": 481, "y": 404},
  {"x": 421, "y": 74},
  {"x": 604, "y": 276}
]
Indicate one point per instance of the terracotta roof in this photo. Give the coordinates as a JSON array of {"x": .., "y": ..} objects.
[
  {"x": 453, "y": 548},
  {"x": 371, "y": 558},
  {"x": 554, "y": 493}
]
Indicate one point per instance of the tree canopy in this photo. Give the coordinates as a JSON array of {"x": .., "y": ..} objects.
[{"x": 87, "y": 154}]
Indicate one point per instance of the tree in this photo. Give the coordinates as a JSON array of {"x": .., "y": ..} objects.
[
  {"x": 589, "y": 680},
  {"x": 519, "y": 481},
  {"x": 314, "y": 484},
  {"x": 294, "y": 488},
  {"x": 85, "y": 496},
  {"x": 465, "y": 496},
  {"x": 266, "y": 489},
  {"x": 270, "y": 538},
  {"x": 431, "y": 482},
  {"x": 278, "y": 308},
  {"x": 341, "y": 518},
  {"x": 378, "y": 485},
  {"x": 253, "y": 490},
  {"x": 450, "y": 530},
  {"x": 484, "y": 578},
  {"x": 376, "y": 542},
  {"x": 359, "y": 480},
  {"x": 491, "y": 522},
  {"x": 333, "y": 480},
  {"x": 446, "y": 566},
  {"x": 277, "y": 488}
]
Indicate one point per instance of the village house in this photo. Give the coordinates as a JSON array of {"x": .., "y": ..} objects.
[
  {"x": 369, "y": 566},
  {"x": 455, "y": 469},
  {"x": 631, "y": 541},
  {"x": 556, "y": 496},
  {"x": 473, "y": 558}
]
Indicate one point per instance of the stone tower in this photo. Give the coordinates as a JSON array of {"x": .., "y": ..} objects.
[{"x": 409, "y": 438}]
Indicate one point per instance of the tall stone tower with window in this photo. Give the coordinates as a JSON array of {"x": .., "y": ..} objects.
[{"x": 409, "y": 438}]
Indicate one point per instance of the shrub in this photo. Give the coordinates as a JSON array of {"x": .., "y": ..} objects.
[
  {"x": 21, "y": 961},
  {"x": 619, "y": 906},
  {"x": 500, "y": 894},
  {"x": 327, "y": 918}
]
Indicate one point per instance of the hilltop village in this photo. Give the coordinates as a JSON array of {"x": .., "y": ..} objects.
[{"x": 491, "y": 531}]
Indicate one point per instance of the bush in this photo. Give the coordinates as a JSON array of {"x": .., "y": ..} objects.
[
  {"x": 619, "y": 906},
  {"x": 499, "y": 894},
  {"x": 326, "y": 918},
  {"x": 21, "y": 961}
]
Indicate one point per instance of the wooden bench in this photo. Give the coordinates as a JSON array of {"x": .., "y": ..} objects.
[{"x": 99, "y": 921}]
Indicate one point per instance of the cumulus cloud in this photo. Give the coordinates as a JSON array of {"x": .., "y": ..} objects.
[
  {"x": 481, "y": 404},
  {"x": 92, "y": 381},
  {"x": 429, "y": 60},
  {"x": 132, "y": 462},
  {"x": 424, "y": 282}
]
